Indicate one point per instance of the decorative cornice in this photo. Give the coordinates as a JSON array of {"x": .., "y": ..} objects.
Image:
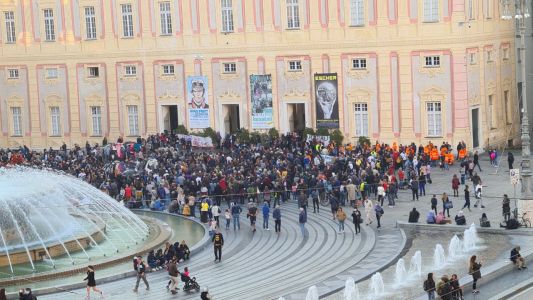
[
  {"x": 229, "y": 76},
  {"x": 358, "y": 73},
  {"x": 431, "y": 71},
  {"x": 358, "y": 95},
  {"x": 168, "y": 97},
  {"x": 294, "y": 75},
  {"x": 294, "y": 94},
  {"x": 230, "y": 95}
]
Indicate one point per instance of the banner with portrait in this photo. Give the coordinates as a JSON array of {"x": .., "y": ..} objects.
[
  {"x": 198, "y": 101},
  {"x": 261, "y": 92},
  {"x": 327, "y": 101}
]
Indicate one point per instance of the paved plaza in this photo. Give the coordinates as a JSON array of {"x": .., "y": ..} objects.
[{"x": 266, "y": 265}]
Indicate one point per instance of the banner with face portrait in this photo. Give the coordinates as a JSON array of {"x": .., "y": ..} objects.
[
  {"x": 197, "y": 101},
  {"x": 261, "y": 92},
  {"x": 327, "y": 101}
]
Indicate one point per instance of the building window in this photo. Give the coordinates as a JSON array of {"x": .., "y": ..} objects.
[
  {"x": 168, "y": 69},
  {"x": 507, "y": 104},
  {"x": 93, "y": 72},
  {"x": 295, "y": 65},
  {"x": 293, "y": 14},
  {"x": 49, "y": 29},
  {"x": 230, "y": 67},
  {"x": 9, "y": 18},
  {"x": 166, "y": 18},
  {"x": 96, "y": 114},
  {"x": 357, "y": 13},
  {"x": 51, "y": 73},
  {"x": 16, "y": 113},
  {"x": 361, "y": 119},
  {"x": 127, "y": 20},
  {"x": 431, "y": 10},
  {"x": 13, "y": 73},
  {"x": 505, "y": 55},
  {"x": 432, "y": 61},
  {"x": 492, "y": 118},
  {"x": 434, "y": 112},
  {"x": 130, "y": 70},
  {"x": 90, "y": 23},
  {"x": 488, "y": 9},
  {"x": 133, "y": 120},
  {"x": 471, "y": 15},
  {"x": 359, "y": 63},
  {"x": 227, "y": 16},
  {"x": 472, "y": 58},
  {"x": 55, "y": 119},
  {"x": 490, "y": 56}
]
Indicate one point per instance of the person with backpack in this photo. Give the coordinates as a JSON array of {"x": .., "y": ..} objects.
[
  {"x": 429, "y": 287},
  {"x": 218, "y": 242},
  {"x": 379, "y": 212},
  {"x": 141, "y": 268}
]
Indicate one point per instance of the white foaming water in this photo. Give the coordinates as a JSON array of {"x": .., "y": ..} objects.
[
  {"x": 351, "y": 291},
  {"x": 415, "y": 267},
  {"x": 39, "y": 208},
  {"x": 376, "y": 285},
  {"x": 401, "y": 273},
  {"x": 470, "y": 238},
  {"x": 312, "y": 293},
  {"x": 439, "y": 259},
  {"x": 455, "y": 248}
]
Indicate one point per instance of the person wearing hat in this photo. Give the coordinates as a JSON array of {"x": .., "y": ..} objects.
[
  {"x": 205, "y": 294},
  {"x": 141, "y": 274}
]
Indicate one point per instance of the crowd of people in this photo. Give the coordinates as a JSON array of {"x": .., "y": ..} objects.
[{"x": 164, "y": 172}]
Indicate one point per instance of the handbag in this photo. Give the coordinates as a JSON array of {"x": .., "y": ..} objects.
[{"x": 448, "y": 204}]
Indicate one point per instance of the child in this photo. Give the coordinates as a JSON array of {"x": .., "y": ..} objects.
[{"x": 227, "y": 215}]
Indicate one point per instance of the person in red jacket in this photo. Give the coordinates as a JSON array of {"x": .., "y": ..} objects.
[{"x": 455, "y": 185}]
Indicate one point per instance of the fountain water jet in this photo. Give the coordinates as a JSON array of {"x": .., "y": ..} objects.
[
  {"x": 351, "y": 291},
  {"x": 376, "y": 285},
  {"x": 401, "y": 273},
  {"x": 439, "y": 259},
  {"x": 470, "y": 238},
  {"x": 312, "y": 293},
  {"x": 455, "y": 248},
  {"x": 415, "y": 267}
]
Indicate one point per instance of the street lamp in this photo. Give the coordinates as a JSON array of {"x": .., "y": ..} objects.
[{"x": 521, "y": 12}]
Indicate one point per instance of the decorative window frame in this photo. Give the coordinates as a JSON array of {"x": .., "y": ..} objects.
[
  {"x": 8, "y": 74},
  {"x": 359, "y": 95},
  {"x": 430, "y": 71},
  {"x": 433, "y": 94},
  {"x": 358, "y": 73},
  {"x": 94, "y": 100},
  {"x": 15, "y": 101},
  {"x": 127, "y": 77},
  {"x": 132, "y": 99},
  {"x": 52, "y": 101},
  {"x": 134, "y": 19},
  {"x": 51, "y": 80},
  {"x": 45, "y": 5}
]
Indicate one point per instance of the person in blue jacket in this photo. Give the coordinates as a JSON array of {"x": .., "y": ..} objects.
[{"x": 266, "y": 215}]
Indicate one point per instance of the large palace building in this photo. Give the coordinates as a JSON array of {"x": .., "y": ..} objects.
[{"x": 393, "y": 70}]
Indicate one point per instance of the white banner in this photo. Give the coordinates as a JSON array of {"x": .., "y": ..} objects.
[
  {"x": 324, "y": 139},
  {"x": 197, "y": 141}
]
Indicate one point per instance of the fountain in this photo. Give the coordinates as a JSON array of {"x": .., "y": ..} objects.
[
  {"x": 312, "y": 293},
  {"x": 56, "y": 216},
  {"x": 439, "y": 259},
  {"x": 470, "y": 238},
  {"x": 455, "y": 248},
  {"x": 376, "y": 285},
  {"x": 415, "y": 267},
  {"x": 401, "y": 273},
  {"x": 351, "y": 291}
]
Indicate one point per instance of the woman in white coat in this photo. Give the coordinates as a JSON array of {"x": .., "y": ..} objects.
[{"x": 369, "y": 210}]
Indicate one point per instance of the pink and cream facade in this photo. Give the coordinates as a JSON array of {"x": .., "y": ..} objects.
[{"x": 406, "y": 71}]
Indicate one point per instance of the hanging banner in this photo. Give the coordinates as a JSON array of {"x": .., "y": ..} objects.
[
  {"x": 324, "y": 139},
  {"x": 197, "y": 101},
  {"x": 197, "y": 141},
  {"x": 327, "y": 104},
  {"x": 261, "y": 91}
]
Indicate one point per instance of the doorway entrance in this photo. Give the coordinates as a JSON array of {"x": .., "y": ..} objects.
[
  {"x": 475, "y": 127},
  {"x": 296, "y": 113},
  {"x": 232, "y": 122},
  {"x": 170, "y": 118}
]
